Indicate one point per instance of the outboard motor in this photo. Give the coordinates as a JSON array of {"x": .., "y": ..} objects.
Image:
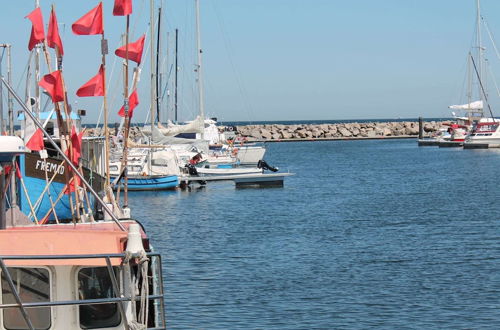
[
  {"x": 192, "y": 170},
  {"x": 265, "y": 166}
]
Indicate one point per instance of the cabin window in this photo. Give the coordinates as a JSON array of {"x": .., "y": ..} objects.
[
  {"x": 95, "y": 283},
  {"x": 32, "y": 286}
]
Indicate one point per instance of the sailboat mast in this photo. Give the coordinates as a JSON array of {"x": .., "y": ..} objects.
[
  {"x": 199, "y": 67},
  {"x": 152, "y": 53},
  {"x": 176, "y": 71},
  {"x": 158, "y": 66},
  {"x": 479, "y": 49}
]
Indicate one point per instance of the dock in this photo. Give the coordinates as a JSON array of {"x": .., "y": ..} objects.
[{"x": 241, "y": 180}]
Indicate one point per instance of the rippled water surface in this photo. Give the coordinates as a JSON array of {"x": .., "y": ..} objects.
[{"x": 367, "y": 234}]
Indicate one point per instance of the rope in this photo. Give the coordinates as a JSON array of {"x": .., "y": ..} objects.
[{"x": 140, "y": 319}]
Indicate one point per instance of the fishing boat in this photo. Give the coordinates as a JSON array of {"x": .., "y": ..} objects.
[
  {"x": 42, "y": 174},
  {"x": 99, "y": 274}
]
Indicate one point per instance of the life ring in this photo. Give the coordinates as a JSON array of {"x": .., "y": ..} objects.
[{"x": 230, "y": 128}]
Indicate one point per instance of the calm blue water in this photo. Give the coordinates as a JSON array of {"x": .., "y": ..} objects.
[{"x": 375, "y": 233}]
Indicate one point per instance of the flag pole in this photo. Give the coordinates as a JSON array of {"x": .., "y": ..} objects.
[
  {"x": 104, "y": 52},
  {"x": 68, "y": 123},
  {"x": 127, "y": 119}
]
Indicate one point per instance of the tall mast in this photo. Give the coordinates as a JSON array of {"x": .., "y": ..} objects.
[
  {"x": 199, "y": 67},
  {"x": 152, "y": 53},
  {"x": 37, "y": 71},
  {"x": 480, "y": 51},
  {"x": 176, "y": 71},
  {"x": 158, "y": 66}
]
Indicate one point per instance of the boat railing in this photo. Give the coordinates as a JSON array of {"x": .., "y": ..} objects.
[{"x": 119, "y": 297}]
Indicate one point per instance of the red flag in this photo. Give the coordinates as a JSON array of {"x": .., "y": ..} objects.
[
  {"x": 18, "y": 172},
  {"x": 70, "y": 187},
  {"x": 122, "y": 7},
  {"x": 93, "y": 87},
  {"x": 134, "y": 50},
  {"x": 133, "y": 101},
  {"x": 90, "y": 23},
  {"x": 35, "y": 143},
  {"x": 76, "y": 145},
  {"x": 52, "y": 83},
  {"x": 53, "y": 37},
  {"x": 37, "y": 32}
]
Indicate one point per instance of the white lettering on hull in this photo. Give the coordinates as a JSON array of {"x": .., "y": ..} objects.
[{"x": 43, "y": 165}]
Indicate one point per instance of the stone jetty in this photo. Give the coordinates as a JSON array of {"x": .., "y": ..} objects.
[{"x": 341, "y": 131}]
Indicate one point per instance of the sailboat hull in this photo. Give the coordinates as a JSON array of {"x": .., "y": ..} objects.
[{"x": 151, "y": 182}]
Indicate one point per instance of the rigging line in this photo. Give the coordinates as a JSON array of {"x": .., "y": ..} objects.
[
  {"x": 482, "y": 88},
  {"x": 494, "y": 80},
  {"x": 26, "y": 67},
  {"x": 490, "y": 35},
  {"x": 166, "y": 84},
  {"x": 110, "y": 79},
  {"x": 239, "y": 80}
]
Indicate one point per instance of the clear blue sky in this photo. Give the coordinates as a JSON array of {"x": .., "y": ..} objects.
[{"x": 283, "y": 59}]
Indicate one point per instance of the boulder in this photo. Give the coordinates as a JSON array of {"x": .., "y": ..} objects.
[
  {"x": 386, "y": 131},
  {"x": 286, "y": 135},
  {"x": 265, "y": 134},
  {"x": 255, "y": 133},
  {"x": 344, "y": 132}
]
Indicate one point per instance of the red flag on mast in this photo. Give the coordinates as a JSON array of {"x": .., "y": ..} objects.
[
  {"x": 35, "y": 143},
  {"x": 53, "y": 37},
  {"x": 93, "y": 87},
  {"x": 133, "y": 101},
  {"x": 90, "y": 23},
  {"x": 37, "y": 32},
  {"x": 76, "y": 145},
  {"x": 134, "y": 50},
  {"x": 122, "y": 7},
  {"x": 52, "y": 83}
]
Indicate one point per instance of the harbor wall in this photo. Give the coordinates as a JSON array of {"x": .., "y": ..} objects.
[{"x": 341, "y": 131}]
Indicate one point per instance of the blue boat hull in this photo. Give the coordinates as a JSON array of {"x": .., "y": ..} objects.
[
  {"x": 33, "y": 177},
  {"x": 151, "y": 182}
]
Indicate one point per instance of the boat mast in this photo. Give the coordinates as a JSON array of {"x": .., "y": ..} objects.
[
  {"x": 152, "y": 55},
  {"x": 158, "y": 66},
  {"x": 153, "y": 78},
  {"x": 199, "y": 69},
  {"x": 480, "y": 53},
  {"x": 176, "y": 71},
  {"x": 37, "y": 72}
]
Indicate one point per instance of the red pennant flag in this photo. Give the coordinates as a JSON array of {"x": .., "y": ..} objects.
[
  {"x": 90, "y": 23},
  {"x": 35, "y": 143},
  {"x": 76, "y": 145},
  {"x": 93, "y": 87},
  {"x": 134, "y": 50},
  {"x": 70, "y": 187},
  {"x": 52, "y": 83},
  {"x": 37, "y": 32},
  {"x": 122, "y": 7},
  {"x": 53, "y": 37},
  {"x": 133, "y": 101}
]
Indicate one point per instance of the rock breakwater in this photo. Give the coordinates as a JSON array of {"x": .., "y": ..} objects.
[{"x": 372, "y": 130}]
